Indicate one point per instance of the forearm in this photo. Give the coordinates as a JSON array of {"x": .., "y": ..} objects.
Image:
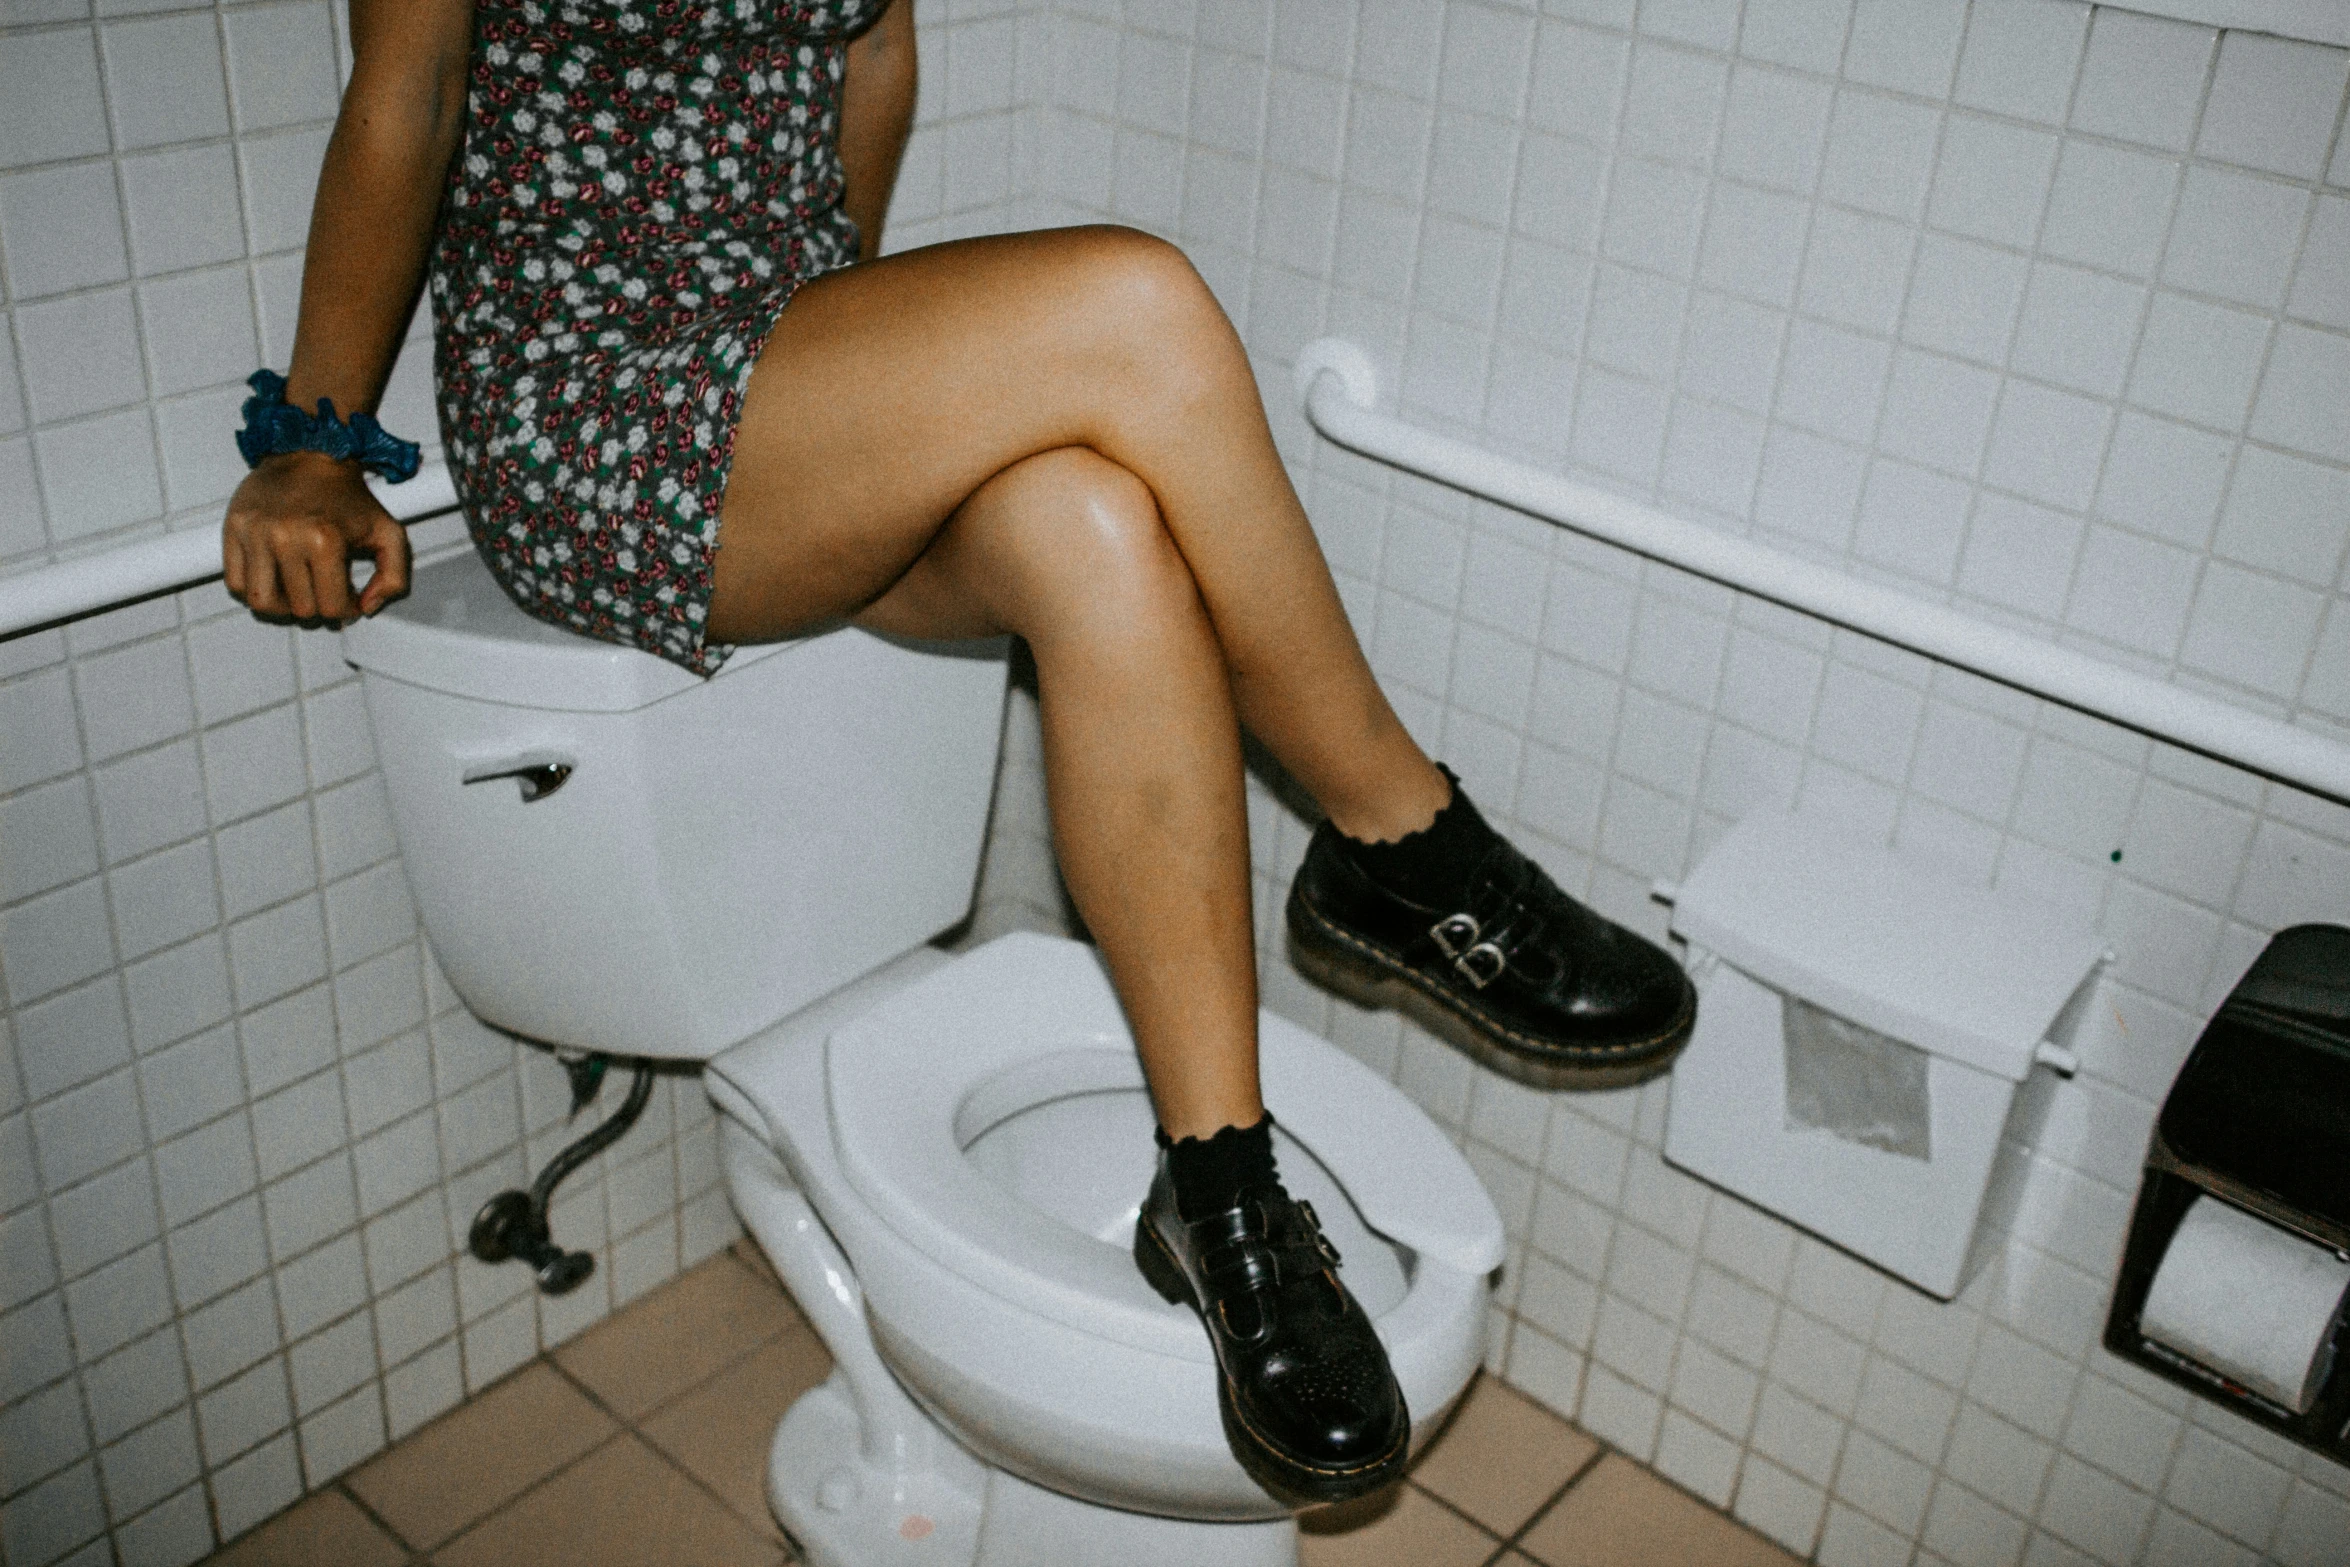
[
  {"x": 876, "y": 115},
  {"x": 372, "y": 223},
  {"x": 369, "y": 232}
]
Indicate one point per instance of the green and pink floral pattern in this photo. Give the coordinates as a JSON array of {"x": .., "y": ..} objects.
[{"x": 643, "y": 185}]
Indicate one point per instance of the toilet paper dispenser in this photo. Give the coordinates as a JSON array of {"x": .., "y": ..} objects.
[
  {"x": 1878, "y": 1040},
  {"x": 2233, "y": 1277}
]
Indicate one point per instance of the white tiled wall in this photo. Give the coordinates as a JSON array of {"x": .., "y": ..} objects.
[
  {"x": 243, "y": 1123},
  {"x": 2025, "y": 306}
]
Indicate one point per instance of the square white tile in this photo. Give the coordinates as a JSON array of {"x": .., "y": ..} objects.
[
  {"x": 280, "y": 177},
  {"x": 2321, "y": 283},
  {"x": 1673, "y": 101},
  {"x": 1880, "y": 153},
  {"x": 2235, "y": 236},
  {"x": 2047, "y": 444},
  {"x": 1775, "y": 128},
  {"x": 2304, "y": 399},
  {"x": 49, "y": 98},
  {"x": 2143, "y": 78},
  {"x": 1963, "y": 298},
  {"x": 2252, "y": 629},
  {"x": 61, "y": 229},
  {"x": 2286, "y": 515},
  {"x": 164, "y": 80},
  {"x": 1806, "y": 34},
  {"x": 2164, "y": 479},
  {"x": 81, "y": 354},
  {"x": 1856, "y": 269},
  {"x": 2273, "y": 104},
  {"x": 1753, "y": 244},
  {"x": 2198, "y": 361},
  {"x": 1991, "y": 179},
  {"x": 1937, "y": 411},
  {"x": 1910, "y": 46},
  {"x": 2079, "y": 328},
  {"x": 2020, "y": 56},
  {"x": 199, "y": 328},
  {"x": 1578, "y": 83},
  {"x": 181, "y": 208},
  {"x": 2110, "y": 207},
  {"x": 99, "y": 474}
]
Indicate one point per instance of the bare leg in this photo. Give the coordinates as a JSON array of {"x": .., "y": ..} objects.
[
  {"x": 1142, "y": 752},
  {"x": 1058, "y": 434},
  {"x": 891, "y": 391}
]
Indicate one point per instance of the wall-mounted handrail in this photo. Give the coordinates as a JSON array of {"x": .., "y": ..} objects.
[
  {"x": 1338, "y": 384},
  {"x": 70, "y": 589}
]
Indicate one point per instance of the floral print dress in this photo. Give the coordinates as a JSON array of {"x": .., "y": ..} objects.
[{"x": 643, "y": 185}]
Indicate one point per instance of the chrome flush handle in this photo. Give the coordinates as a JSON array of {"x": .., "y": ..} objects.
[{"x": 537, "y": 773}]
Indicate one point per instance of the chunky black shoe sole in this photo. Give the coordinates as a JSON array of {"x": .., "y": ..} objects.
[
  {"x": 1284, "y": 1478},
  {"x": 1364, "y": 972}
]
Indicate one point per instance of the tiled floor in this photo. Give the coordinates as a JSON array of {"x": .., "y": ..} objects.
[{"x": 644, "y": 1444}]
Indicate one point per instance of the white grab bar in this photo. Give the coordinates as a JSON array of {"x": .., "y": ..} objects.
[
  {"x": 1337, "y": 383},
  {"x": 49, "y": 594}
]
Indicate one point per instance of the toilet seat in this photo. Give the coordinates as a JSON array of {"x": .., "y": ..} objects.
[
  {"x": 913, "y": 1082},
  {"x": 1028, "y": 1338}
]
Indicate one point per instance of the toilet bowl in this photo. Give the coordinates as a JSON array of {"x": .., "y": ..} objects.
[
  {"x": 942, "y": 1155},
  {"x": 970, "y": 1149}
]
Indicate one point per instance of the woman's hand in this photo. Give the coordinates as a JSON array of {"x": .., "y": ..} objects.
[{"x": 294, "y": 526}]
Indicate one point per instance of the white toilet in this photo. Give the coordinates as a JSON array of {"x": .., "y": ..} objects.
[{"x": 942, "y": 1155}]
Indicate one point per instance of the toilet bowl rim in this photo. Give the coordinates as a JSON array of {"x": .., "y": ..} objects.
[{"x": 1031, "y": 1004}]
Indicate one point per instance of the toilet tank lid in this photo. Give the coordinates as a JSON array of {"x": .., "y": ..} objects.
[
  {"x": 457, "y": 632},
  {"x": 1896, "y": 944}
]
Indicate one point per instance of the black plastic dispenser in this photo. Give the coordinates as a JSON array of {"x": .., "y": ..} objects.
[{"x": 2259, "y": 1118}]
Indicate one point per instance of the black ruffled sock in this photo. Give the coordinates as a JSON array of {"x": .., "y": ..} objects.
[
  {"x": 1210, "y": 1173},
  {"x": 1430, "y": 867}
]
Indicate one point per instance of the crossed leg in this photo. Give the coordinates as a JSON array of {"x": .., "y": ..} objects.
[{"x": 1058, "y": 434}]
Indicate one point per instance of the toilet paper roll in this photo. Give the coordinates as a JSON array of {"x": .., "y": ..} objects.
[{"x": 2253, "y": 1302}]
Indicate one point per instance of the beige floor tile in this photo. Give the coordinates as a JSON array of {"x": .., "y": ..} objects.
[
  {"x": 327, "y": 1527},
  {"x": 480, "y": 1454},
  {"x": 1502, "y": 1456},
  {"x": 621, "y": 1506},
  {"x": 721, "y": 1431},
  {"x": 678, "y": 1336},
  {"x": 1394, "y": 1528},
  {"x": 1620, "y": 1515}
]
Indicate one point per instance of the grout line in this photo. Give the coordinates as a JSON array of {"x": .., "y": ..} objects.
[
  {"x": 1478, "y": 1524},
  {"x": 340, "y": 1485},
  {"x": 532, "y": 1489},
  {"x": 630, "y": 1425},
  {"x": 1599, "y": 1453}
]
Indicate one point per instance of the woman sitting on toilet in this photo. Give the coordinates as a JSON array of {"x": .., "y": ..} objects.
[{"x": 1053, "y": 434}]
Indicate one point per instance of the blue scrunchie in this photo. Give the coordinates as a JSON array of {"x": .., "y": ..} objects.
[{"x": 273, "y": 425}]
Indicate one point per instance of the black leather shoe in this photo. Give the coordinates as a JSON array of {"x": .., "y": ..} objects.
[
  {"x": 1521, "y": 976},
  {"x": 1310, "y": 1405}
]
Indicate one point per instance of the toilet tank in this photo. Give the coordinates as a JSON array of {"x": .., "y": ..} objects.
[{"x": 609, "y": 853}]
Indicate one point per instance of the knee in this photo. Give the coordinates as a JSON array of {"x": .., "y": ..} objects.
[
  {"x": 1079, "y": 540},
  {"x": 1147, "y": 297}
]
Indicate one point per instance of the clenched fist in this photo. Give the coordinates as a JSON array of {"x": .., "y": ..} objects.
[{"x": 295, "y": 525}]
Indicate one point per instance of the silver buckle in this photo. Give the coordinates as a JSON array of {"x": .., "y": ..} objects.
[
  {"x": 1454, "y": 934},
  {"x": 1479, "y": 962},
  {"x": 1471, "y": 965}
]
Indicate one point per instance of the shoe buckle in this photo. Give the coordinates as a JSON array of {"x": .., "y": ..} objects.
[
  {"x": 1481, "y": 965},
  {"x": 1454, "y": 934},
  {"x": 1323, "y": 1247}
]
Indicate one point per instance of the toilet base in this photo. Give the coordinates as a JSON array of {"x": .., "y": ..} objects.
[{"x": 847, "y": 1511}]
